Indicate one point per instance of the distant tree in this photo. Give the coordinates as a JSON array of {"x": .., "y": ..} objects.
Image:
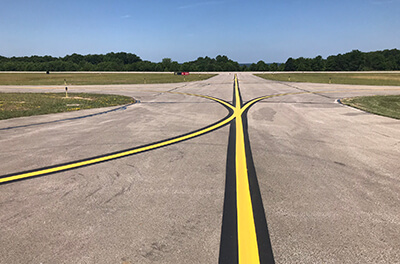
[
  {"x": 253, "y": 67},
  {"x": 262, "y": 66},
  {"x": 146, "y": 66},
  {"x": 166, "y": 64},
  {"x": 341, "y": 63},
  {"x": 30, "y": 66},
  {"x": 189, "y": 66},
  {"x": 70, "y": 66},
  {"x": 75, "y": 58},
  {"x": 290, "y": 65},
  {"x": 331, "y": 64},
  {"x": 10, "y": 66},
  {"x": 354, "y": 60},
  {"x": 122, "y": 61},
  {"x": 86, "y": 66},
  {"x": 222, "y": 59},
  {"x": 303, "y": 64},
  {"x": 274, "y": 67},
  {"x": 317, "y": 64},
  {"x": 94, "y": 59},
  {"x": 376, "y": 61},
  {"x": 126, "y": 58},
  {"x": 175, "y": 67},
  {"x": 109, "y": 66}
]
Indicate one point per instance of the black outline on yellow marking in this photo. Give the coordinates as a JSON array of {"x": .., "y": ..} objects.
[
  {"x": 132, "y": 151},
  {"x": 262, "y": 233},
  {"x": 242, "y": 201},
  {"x": 228, "y": 251},
  {"x": 233, "y": 248},
  {"x": 243, "y": 209},
  {"x": 122, "y": 153}
]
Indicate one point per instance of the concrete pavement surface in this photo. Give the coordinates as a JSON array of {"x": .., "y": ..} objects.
[{"x": 328, "y": 175}]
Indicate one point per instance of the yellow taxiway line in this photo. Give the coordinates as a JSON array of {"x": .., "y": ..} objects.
[
  {"x": 90, "y": 161},
  {"x": 247, "y": 238}
]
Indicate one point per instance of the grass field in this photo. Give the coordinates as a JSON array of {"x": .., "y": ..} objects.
[
  {"x": 96, "y": 78},
  {"x": 388, "y": 105},
  {"x": 28, "y": 104},
  {"x": 389, "y": 78}
]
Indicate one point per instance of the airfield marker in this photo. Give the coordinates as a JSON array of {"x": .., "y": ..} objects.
[{"x": 66, "y": 88}]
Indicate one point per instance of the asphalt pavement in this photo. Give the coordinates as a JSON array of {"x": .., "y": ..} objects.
[{"x": 328, "y": 175}]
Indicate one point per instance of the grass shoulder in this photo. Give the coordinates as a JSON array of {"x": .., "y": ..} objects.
[
  {"x": 362, "y": 78},
  {"x": 385, "y": 105},
  {"x": 28, "y": 104},
  {"x": 96, "y": 78}
]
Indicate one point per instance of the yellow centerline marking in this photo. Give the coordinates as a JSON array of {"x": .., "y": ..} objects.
[
  {"x": 247, "y": 238},
  {"x": 248, "y": 248}
]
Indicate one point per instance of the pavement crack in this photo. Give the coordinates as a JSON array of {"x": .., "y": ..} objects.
[
  {"x": 65, "y": 194},
  {"x": 94, "y": 192},
  {"x": 121, "y": 192},
  {"x": 303, "y": 90},
  {"x": 136, "y": 170},
  {"x": 340, "y": 163},
  {"x": 156, "y": 251}
]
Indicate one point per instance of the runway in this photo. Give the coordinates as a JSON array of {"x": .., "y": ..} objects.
[{"x": 327, "y": 177}]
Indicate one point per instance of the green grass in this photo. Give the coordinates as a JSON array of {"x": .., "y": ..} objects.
[
  {"x": 28, "y": 104},
  {"x": 96, "y": 78},
  {"x": 392, "y": 79},
  {"x": 385, "y": 105}
]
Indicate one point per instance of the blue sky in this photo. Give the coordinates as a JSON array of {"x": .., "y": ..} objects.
[{"x": 245, "y": 31}]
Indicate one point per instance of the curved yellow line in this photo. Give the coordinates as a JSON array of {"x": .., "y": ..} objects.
[
  {"x": 207, "y": 97},
  {"x": 121, "y": 154}
]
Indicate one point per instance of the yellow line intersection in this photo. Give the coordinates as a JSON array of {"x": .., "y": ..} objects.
[
  {"x": 248, "y": 247},
  {"x": 247, "y": 239}
]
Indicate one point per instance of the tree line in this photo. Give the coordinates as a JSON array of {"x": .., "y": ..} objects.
[
  {"x": 386, "y": 60},
  {"x": 122, "y": 61}
]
